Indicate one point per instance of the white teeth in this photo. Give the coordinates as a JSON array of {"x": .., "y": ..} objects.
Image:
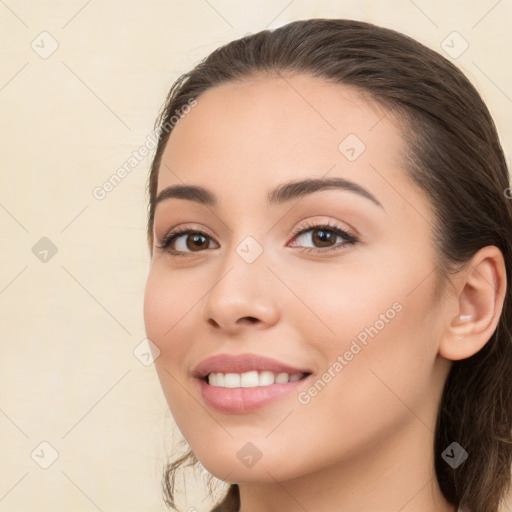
[
  {"x": 232, "y": 380},
  {"x": 266, "y": 378},
  {"x": 251, "y": 379}
]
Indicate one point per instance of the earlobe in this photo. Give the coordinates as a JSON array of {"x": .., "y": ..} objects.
[{"x": 480, "y": 292}]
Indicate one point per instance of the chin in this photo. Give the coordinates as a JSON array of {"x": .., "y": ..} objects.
[{"x": 243, "y": 462}]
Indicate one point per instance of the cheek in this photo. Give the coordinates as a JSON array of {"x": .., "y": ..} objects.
[
  {"x": 168, "y": 306},
  {"x": 377, "y": 344},
  {"x": 167, "y": 302},
  {"x": 389, "y": 350},
  {"x": 339, "y": 301}
]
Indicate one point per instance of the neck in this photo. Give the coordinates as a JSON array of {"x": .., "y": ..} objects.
[{"x": 390, "y": 477}]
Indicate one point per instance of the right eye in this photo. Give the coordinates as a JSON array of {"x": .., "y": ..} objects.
[{"x": 182, "y": 243}]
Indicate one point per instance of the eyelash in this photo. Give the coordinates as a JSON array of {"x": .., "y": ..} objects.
[{"x": 327, "y": 226}]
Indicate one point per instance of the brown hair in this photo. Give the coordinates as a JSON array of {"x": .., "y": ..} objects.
[{"x": 455, "y": 156}]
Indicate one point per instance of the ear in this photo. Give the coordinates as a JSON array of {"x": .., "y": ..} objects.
[{"x": 478, "y": 302}]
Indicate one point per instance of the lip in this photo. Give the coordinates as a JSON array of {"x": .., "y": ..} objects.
[{"x": 244, "y": 400}]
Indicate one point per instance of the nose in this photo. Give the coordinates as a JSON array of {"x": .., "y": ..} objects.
[{"x": 242, "y": 295}]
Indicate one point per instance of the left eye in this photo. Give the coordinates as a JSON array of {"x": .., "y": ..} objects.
[{"x": 324, "y": 237}]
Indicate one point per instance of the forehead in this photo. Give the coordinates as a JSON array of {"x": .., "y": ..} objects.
[{"x": 253, "y": 134}]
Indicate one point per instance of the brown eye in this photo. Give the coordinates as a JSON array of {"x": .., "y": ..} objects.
[
  {"x": 323, "y": 237},
  {"x": 196, "y": 241},
  {"x": 185, "y": 242}
]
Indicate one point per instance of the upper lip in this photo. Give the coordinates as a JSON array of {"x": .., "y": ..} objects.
[{"x": 225, "y": 363}]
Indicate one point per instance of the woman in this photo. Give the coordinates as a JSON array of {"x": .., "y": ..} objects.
[{"x": 329, "y": 224}]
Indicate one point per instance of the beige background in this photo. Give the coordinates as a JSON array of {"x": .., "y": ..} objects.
[{"x": 70, "y": 324}]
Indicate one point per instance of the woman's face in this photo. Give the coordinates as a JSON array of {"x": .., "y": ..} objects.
[{"x": 352, "y": 317}]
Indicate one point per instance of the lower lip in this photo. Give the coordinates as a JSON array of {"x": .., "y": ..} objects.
[{"x": 242, "y": 400}]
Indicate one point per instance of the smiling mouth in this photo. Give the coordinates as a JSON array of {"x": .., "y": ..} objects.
[{"x": 252, "y": 379}]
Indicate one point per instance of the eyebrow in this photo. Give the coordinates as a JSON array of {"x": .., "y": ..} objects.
[{"x": 281, "y": 194}]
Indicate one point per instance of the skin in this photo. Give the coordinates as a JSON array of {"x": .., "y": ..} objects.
[{"x": 363, "y": 443}]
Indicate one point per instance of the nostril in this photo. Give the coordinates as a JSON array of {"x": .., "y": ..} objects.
[
  {"x": 250, "y": 319},
  {"x": 245, "y": 319}
]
